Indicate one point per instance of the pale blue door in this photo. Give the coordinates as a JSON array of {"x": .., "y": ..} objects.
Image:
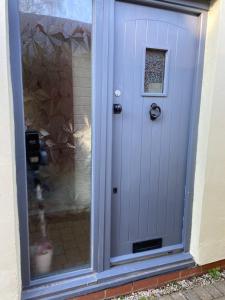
[{"x": 155, "y": 58}]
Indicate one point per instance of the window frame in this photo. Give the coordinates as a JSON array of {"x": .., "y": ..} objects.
[
  {"x": 166, "y": 72},
  {"x": 98, "y": 148}
]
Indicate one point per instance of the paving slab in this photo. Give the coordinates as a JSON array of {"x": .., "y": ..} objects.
[
  {"x": 166, "y": 297},
  {"x": 202, "y": 293},
  {"x": 212, "y": 290},
  {"x": 178, "y": 296},
  {"x": 191, "y": 295},
  {"x": 220, "y": 285}
]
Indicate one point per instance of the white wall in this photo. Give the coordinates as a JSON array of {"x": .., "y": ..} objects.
[
  {"x": 9, "y": 229},
  {"x": 208, "y": 226}
]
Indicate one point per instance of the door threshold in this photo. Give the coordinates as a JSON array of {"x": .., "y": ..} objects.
[
  {"x": 117, "y": 275},
  {"x": 128, "y": 258}
]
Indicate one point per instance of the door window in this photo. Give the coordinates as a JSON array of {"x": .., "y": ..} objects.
[{"x": 155, "y": 61}]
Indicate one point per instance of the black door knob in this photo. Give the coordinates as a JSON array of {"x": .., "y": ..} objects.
[{"x": 155, "y": 111}]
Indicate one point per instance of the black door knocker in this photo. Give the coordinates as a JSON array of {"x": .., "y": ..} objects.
[{"x": 154, "y": 112}]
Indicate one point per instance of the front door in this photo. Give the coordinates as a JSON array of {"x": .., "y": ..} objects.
[{"x": 155, "y": 58}]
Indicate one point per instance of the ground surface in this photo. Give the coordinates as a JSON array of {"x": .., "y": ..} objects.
[
  {"x": 205, "y": 287},
  {"x": 207, "y": 292}
]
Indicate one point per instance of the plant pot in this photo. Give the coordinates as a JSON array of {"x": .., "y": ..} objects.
[
  {"x": 43, "y": 258},
  {"x": 43, "y": 262}
]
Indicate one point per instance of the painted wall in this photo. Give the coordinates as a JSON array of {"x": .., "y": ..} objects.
[
  {"x": 9, "y": 227},
  {"x": 208, "y": 226}
]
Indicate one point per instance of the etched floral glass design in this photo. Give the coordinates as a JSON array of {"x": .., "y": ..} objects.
[
  {"x": 56, "y": 59},
  {"x": 154, "y": 71}
]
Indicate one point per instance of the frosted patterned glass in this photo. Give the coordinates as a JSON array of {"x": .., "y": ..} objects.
[
  {"x": 154, "y": 71},
  {"x": 56, "y": 38}
]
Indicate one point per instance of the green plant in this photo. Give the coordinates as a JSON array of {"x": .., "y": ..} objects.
[{"x": 214, "y": 273}]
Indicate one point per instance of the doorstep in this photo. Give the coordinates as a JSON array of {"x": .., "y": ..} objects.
[{"x": 151, "y": 282}]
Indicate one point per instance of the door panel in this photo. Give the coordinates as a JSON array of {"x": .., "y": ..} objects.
[{"x": 149, "y": 157}]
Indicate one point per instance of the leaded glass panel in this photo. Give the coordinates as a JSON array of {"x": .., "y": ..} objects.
[{"x": 154, "y": 70}]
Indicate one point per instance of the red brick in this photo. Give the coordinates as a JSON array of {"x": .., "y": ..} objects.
[
  {"x": 168, "y": 277},
  {"x": 93, "y": 296},
  {"x": 222, "y": 264},
  {"x": 145, "y": 284},
  {"x": 190, "y": 272},
  {"x": 120, "y": 290},
  {"x": 210, "y": 266}
]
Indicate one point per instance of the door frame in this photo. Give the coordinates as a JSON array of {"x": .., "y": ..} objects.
[
  {"x": 100, "y": 275},
  {"x": 179, "y": 6}
]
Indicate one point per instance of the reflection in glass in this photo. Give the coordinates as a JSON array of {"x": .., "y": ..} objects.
[
  {"x": 56, "y": 61},
  {"x": 154, "y": 71}
]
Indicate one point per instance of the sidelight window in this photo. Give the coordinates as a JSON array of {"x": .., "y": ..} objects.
[{"x": 56, "y": 61}]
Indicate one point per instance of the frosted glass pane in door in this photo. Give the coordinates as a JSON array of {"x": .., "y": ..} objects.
[{"x": 154, "y": 71}]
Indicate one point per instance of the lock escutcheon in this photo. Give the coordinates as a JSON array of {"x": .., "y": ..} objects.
[{"x": 117, "y": 108}]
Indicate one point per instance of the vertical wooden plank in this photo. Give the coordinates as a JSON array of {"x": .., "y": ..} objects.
[
  {"x": 163, "y": 41},
  {"x": 167, "y": 118},
  {"x": 147, "y": 160},
  {"x": 119, "y": 61},
  {"x": 137, "y": 123},
  {"x": 129, "y": 137}
]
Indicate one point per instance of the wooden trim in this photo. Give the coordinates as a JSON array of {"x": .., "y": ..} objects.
[
  {"x": 193, "y": 132},
  {"x": 192, "y": 6},
  {"x": 201, "y": 4},
  {"x": 127, "y": 258},
  {"x": 21, "y": 177}
]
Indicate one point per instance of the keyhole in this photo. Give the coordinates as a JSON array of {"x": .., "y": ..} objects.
[{"x": 114, "y": 190}]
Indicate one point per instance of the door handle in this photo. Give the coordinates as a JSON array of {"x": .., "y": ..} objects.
[{"x": 155, "y": 111}]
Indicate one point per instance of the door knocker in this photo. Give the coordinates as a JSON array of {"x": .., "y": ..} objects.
[{"x": 155, "y": 111}]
